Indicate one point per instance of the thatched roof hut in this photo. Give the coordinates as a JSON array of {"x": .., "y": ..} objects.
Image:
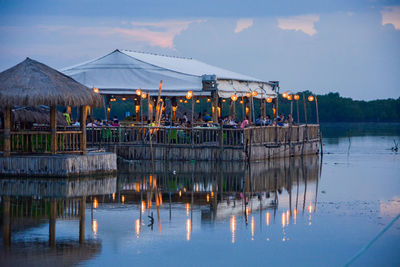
[{"x": 31, "y": 83}]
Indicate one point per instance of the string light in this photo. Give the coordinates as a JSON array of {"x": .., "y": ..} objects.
[
  {"x": 234, "y": 97},
  {"x": 189, "y": 94}
]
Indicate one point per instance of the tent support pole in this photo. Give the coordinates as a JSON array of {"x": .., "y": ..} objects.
[{"x": 214, "y": 101}]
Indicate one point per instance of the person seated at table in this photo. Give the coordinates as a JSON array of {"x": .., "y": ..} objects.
[
  {"x": 290, "y": 119},
  {"x": 244, "y": 123},
  {"x": 230, "y": 122},
  {"x": 91, "y": 123},
  {"x": 207, "y": 117},
  {"x": 115, "y": 123},
  {"x": 267, "y": 120},
  {"x": 260, "y": 121}
]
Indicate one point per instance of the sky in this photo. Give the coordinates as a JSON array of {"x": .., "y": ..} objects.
[{"x": 351, "y": 47}]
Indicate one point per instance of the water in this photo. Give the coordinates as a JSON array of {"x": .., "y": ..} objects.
[{"x": 286, "y": 212}]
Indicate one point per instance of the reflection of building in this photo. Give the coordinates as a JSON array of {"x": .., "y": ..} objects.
[
  {"x": 222, "y": 188},
  {"x": 27, "y": 203}
]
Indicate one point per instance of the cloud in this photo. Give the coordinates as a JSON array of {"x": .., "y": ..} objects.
[
  {"x": 243, "y": 24},
  {"x": 391, "y": 15},
  {"x": 304, "y": 23},
  {"x": 160, "y": 33}
]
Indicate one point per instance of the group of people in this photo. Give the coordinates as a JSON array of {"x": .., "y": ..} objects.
[
  {"x": 204, "y": 120},
  {"x": 281, "y": 120}
]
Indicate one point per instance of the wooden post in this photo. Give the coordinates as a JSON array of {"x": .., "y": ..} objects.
[
  {"x": 214, "y": 103},
  {"x": 52, "y": 223},
  {"x": 262, "y": 107},
  {"x": 291, "y": 108},
  {"x": 82, "y": 209},
  {"x": 316, "y": 109},
  {"x": 83, "y": 115},
  {"x": 53, "y": 129},
  {"x": 6, "y": 221},
  {"x": 7, "y": 133},
  {"x": 150, "y": 108},
  {"x": 174, "y": 108},
  {"x": 248, "y": 109},
  {"x": 243, "y": 109},
  {"x": 305, "y": 109},
  {"x": 297, "y": 111},
  {"x": 233, "y": 109}
]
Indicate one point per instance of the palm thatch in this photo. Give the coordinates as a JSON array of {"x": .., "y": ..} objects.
[
  {"x": 31, "y": 83},
  {"x": 39, "y": 115}
]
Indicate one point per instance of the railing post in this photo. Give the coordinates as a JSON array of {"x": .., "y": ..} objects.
[
  {"x": 7, "y": 133},
  {"x": 53, "y": 129},
  {"x": 82, "y": 140}
]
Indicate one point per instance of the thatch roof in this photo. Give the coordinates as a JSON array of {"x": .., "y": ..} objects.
[
  {"x": 40, "y": 115},
  {"x": 31, "y": 83}
]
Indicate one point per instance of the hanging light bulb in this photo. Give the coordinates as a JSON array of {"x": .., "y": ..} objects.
[
  {"x": 254, "y": 93},
  {"x": 234, "y": 97},
  {"x": 144, "y": 95},
  {"x": 208, "y": 100},
  {"x": 248, "y": 94},
  {"x": 138, "y": 92},
  {"x": 296, "y": 97},
  {"x": 180, "y": 100},
  {"x": 290, "y": 97},
  {"x": 285, "y": 95},
  {"x": 269, "y": 100},
  {"x": 311, "y": 98},
  {"x": 96, "y": 90},
  {"x": 198, "y": 101}
]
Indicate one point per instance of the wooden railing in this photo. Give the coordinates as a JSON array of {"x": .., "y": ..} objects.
[
  {"x": 69, "y": 140},
  {"x": 199, "y": 136},
  {"x": 40, "y": 141}
]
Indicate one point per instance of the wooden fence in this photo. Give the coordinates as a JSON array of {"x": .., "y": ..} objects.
[
  {"x": 204, "y": 136},
  {"x": 69, "y": 140},
  {"x": 39, "y": 141}
]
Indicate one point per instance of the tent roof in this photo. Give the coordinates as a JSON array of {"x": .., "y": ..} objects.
[
  {"x": 187, "y": 66},
  {"x": 122, "y": 72},
  {"x": 31, "y": 83}
]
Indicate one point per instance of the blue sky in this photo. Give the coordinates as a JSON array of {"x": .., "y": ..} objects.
[{"x": 352, "y": 47}]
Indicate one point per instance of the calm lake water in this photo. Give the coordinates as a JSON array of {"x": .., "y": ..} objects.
[{"x": 299, "y": 211}]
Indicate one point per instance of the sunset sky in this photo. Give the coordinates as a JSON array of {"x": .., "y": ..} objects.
[{"x": 352, "y": 47}]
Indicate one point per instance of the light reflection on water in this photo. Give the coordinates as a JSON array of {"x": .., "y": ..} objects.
[{"x": 231, "y": 213}]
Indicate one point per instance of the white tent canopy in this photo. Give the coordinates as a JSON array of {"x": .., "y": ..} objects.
[{"x": 122, "y": 72}]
